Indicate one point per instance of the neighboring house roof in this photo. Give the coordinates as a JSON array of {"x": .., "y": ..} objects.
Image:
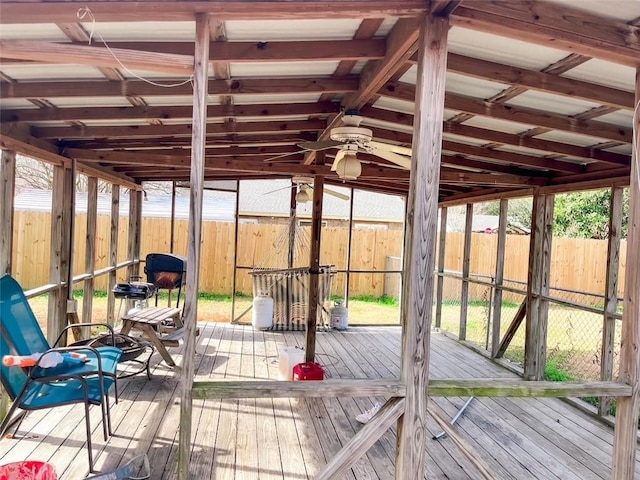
[{"x": 257, "y": 198}]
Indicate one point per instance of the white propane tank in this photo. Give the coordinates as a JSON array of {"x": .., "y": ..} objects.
[
  {"x": 339, "y": 316},
  {"x": 262, "y": 315}
]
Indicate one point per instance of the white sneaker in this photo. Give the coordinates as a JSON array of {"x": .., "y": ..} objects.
[{"x": 366, "y": 416}]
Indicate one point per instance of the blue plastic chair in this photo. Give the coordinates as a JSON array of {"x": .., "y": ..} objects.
[{"x": 67, "y": 383}]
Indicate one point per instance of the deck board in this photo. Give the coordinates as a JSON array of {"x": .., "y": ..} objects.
[{"x": 282, "y": 439}]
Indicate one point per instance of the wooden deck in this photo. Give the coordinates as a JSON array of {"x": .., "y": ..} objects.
[{"x": 291, "y": 439}]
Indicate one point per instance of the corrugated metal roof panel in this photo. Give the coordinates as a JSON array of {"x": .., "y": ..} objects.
[
  {"x": 283, "y": 69},
  {"x": 624, "y": 149},
  {"x": 90, "y": 102},
  {"x": 156, "y": 77},
  {"x": 572, "y": 138},
  {"x": 177, "y": 100},
  {"x": 39, "y": 71},
  {"x": 386, "y": 26},
  {"x": 604, "y": 73},
  {"x": 624, "y": 10},
  {"x": 620, "y": 117},
  {"x": 141, "y": 31},
  {"x": 500, "y": 49},
  {"x": 16, "y": 103},
  {"x": 389, "y": 126},
  {"x": 472, "y": 87},
  {"x": 289, "y": 98},
  {"x": 549, "y": 102},
  {"x": 48, "y": 32},
  {"x": 464, "y": 140},
  {"x": 390, "y": 103},
  {"x": 274, "y": 30},
  {"x": 496, "y": 124}
]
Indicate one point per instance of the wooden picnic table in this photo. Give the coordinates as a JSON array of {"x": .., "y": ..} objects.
[{"x": 161, "y": 326}]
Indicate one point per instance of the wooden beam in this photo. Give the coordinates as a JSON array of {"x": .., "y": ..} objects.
[
  {"x": 499, "y": 276},
  {"x": 589, "y": 154},
  {"x": 7, "y": 193},
  {"x": 314, "y": 265},
  {"x": 125, "y": 11},
  {"x": 442, "y": 246},
  {"x": 419, "y": 254},
  {"x": 196, "y": 182},
  {"x": 540, "y": 81},
  {"x": 452, "y": 387},
  {"x": 248, "y": 86},
  {"x": 461, "y": 177},
  {"x": 362, "y": 441},
  {"x": 90, "y": 250},
  {"x": 174, "y": 130},
  {"x": 81, "y": 114},
  {"x": 611, "y": 293},
  {"x": 96, "y": 56},
  {"x": 534, "y": 288},
  {"x": 545, "y": 274},
  {"x": 553, "y": 26},
  {"x": 113, "y": 251},
  {"x": 134, "y": 232},
  {"x": 624, "y": 444},
  {"x": 528, "y": 116},
  {"x": 466, "y": 264}
]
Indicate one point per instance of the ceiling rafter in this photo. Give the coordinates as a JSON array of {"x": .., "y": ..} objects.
[
  {"x": 554, "y": 26},
  {"x": 512, "y": 113},
  {"x": 20, "y": 12},
  {"x": 248, "y": 86}
]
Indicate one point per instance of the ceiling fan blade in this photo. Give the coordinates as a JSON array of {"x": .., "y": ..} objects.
[
  {"x": 339, "y": 156},
  {"x": 288, "y": 154},
  {"x": 322, "y": 145},
  {"x": 400, "y": 160},
  {"x": 339, "y": 195},
  {"x": 391, "y": 148},
  {"x": 277, "y": 190}
]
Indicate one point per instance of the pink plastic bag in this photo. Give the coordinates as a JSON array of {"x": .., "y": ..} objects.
[{"x": 29, "y": 470}]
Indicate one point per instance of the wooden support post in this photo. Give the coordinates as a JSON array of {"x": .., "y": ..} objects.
[
  {"x": 624, "y": 444},
  {"x": 499, "y": 277},
  {"x": 293, "y": 210},
  {"x": 538, "y": 287},
  {"x": 7, "y": 193},
  {"x": 419, "y": 253},
  {"x": 90, "y": 256},
  {"x": 234, "y": 276},
  {"x": 60, "y": 246},
  {"x": 172, "y": 231},
  {"x": 113, "y": 252},
  {"x": 534, "y": 287},
  {"x": 198, "y": 141},
  {"x": 466, "y": 262},
  {"x": 314, "y": 265},
  {"x": 611, "y": 293},
  {"x": 135, "y": 224},
  {"x": 442, "y": 255}
]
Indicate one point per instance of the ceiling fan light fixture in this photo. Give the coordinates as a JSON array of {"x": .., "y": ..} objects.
[
  {"x": 303, "y": 196},
  {"x": 349, "y": 167}
]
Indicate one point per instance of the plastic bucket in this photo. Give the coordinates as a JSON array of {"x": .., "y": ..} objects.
[
  {"x": 28, "y": 470},
  {"x": 289, "y": 358}
]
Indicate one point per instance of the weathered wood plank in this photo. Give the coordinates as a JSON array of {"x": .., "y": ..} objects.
[
  {"x": 611, "y": 292},
  {"x": 314, "y": 266},
  {"x": 90, "y": 251},
  {"x": 113, "y": 251},
  {"x": 466, "y": 264},
  {"x": 624, "y": 451},
  {"x": 363, "y": 440},
  {"x": 200, "y": 95},
  {"x": 499, "y": 277},
  {"x": 442, "y": 248},
  {"x": 513, "y": 329}
]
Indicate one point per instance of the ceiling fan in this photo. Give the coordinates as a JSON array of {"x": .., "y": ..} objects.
[
  {"x": 351, "y": 139},
  {"x": 305, "y": 190}
]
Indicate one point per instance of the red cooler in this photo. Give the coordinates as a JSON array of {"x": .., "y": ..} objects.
[{"x": 308, "y": 371}]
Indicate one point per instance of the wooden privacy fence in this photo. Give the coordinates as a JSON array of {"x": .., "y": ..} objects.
[{"x": 577, "y": 264}]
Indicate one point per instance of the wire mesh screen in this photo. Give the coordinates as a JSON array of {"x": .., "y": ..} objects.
[
  {"x": 451, "y": 305},
  {"x": 511, "y": 304},
  {"x": 479, "y": 315}
]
